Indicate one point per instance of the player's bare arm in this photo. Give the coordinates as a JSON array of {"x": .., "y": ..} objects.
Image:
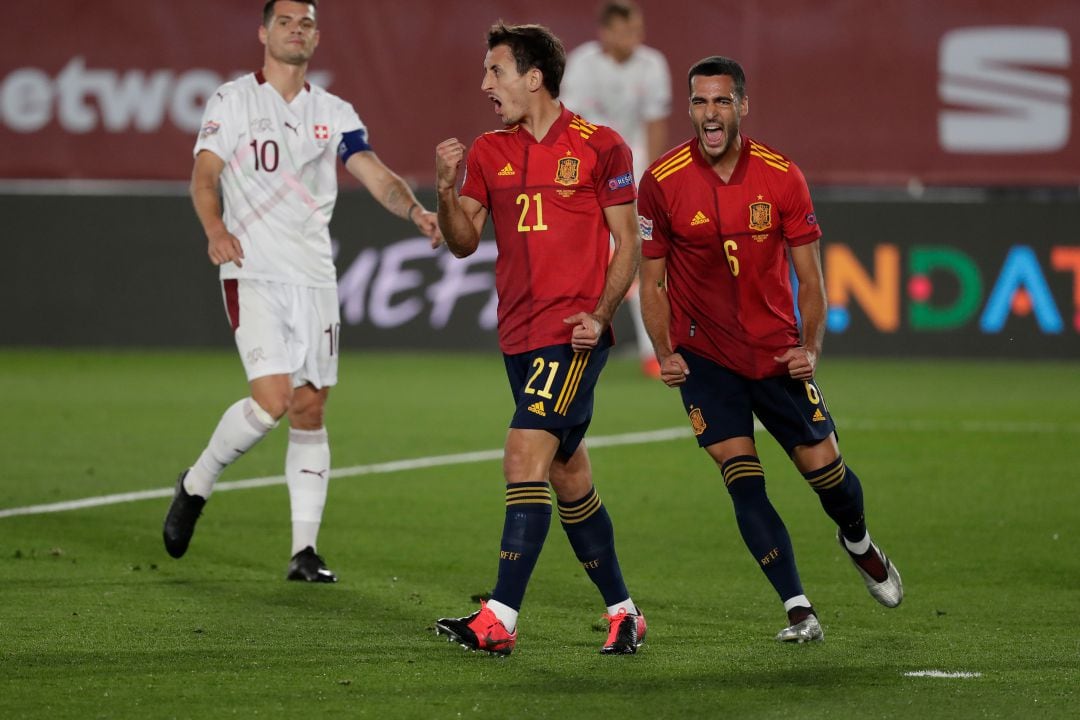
[
  {"x": 461, "y": 219},
  {"x": 656, "y": 315},
  {"x": 222, "y": 246},
  {"x": 802, "y": 361},
  {"x": 393, "y": 193},
  {"x": 589, "y": 326}
]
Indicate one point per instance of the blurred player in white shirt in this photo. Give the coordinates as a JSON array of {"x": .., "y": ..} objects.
[
  {"x": 619, "y": 82},
  {"x": 264, "y": 187}
]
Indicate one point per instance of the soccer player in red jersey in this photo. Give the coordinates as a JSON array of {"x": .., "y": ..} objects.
[
  {"x": 555, "y": 186},
  {"x": 720, "y": 214}
]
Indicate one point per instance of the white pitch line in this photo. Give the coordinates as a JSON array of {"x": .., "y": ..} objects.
[
  {"x": 967, "y": 426},
  {"x": 942, "y": 674},
  {"x": 636, "y": 438}
]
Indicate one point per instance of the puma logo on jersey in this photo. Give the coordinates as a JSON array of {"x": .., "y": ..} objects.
[
  {"x": 294, "y": 128},
  {"x": 699, "y": 219},
  {"x": 537, "y": 408},
  {"x": 507, "y": 171}
]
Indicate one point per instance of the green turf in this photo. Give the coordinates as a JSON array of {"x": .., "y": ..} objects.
[{"x": 971, "y": 478}]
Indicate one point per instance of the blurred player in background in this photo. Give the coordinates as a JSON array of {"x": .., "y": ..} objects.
[
  {"x": 619, "y": 82},
  {"x": 719, "y": 215},
  {"x": 268, "y": 146},
  {"x": 556, "y": 187}
]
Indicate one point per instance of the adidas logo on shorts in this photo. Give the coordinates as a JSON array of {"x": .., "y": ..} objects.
[{"x": 537, "y": 408}]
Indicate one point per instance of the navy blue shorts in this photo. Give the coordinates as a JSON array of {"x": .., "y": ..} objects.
[
  {"x": 553, "y": 389},
  {"x": 722, "y": 404}
]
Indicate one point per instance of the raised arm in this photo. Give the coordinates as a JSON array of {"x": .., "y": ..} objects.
[
  {"x": 461, "y": 218},
  {"x": 392, "y": 192}
]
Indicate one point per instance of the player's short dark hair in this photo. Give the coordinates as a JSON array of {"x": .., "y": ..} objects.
[
  {"x": 533, "y": 46},
  {"x": 268, "y": 9},
  {"x": 616, "y": 10},
  {"x": 717, "y": 65}
]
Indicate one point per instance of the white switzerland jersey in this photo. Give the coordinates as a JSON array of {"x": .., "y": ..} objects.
[
  {"x": 280, "y": 179},
  {"x": 623, "y": 96}
]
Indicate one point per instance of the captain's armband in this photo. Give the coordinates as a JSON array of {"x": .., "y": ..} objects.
[{"x": 351, "y": 143}]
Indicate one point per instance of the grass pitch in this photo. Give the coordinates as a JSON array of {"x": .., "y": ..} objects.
[{"x": 971, "y": 479}]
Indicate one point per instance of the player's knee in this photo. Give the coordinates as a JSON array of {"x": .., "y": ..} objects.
[
  {"x": 571, "y": 486},
  {"x": 274, "y": 404},
  {"x": 308, "y": 417},
  {"x": 517, "y": 467},
  {"x": 816, "y": 456}
]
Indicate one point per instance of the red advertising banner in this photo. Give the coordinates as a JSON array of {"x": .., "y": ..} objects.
[{"x": 965, "y": 92}]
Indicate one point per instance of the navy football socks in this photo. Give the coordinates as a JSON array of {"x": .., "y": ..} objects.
[
  {"x": 762, "y": 529},
  {"x": 841, "y": 496},
  {"x": 592, "y": 537},
  {"x": 528, "y": 516}
]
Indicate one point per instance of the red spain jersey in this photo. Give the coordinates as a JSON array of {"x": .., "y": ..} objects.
[
  {"x": 728, "y": 274},
  {"x": 546, "y": 200}
]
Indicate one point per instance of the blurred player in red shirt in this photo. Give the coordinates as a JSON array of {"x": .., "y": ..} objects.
[
  {"x": 720, "y": 215},
  {"x": 555, "y": 187}
]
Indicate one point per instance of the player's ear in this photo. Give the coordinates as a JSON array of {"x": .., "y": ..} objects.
[
  {"x": 535, "y": 79},
  {"x": 262, "y": 34}
]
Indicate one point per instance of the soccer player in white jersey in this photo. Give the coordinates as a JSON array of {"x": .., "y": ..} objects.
[
  {"x": 617, "y": 81},
  {"x": 264, "y": 186}
]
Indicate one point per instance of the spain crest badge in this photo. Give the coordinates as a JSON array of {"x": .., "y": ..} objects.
[
  {"x": 697, "y": 421},
  {"x": 567, "y": 172},
  {"x": 760, "y": 216}
]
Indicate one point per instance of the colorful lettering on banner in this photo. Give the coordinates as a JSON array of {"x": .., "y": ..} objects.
[
  {"x": 1021, "y": 290},
  {"x": 1067, "y": 259},
  {"x": 945, "y": 289},
  {"x": 878, "y": 295}
]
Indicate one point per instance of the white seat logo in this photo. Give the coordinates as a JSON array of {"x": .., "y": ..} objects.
[{"x": 999, "y": 99}]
